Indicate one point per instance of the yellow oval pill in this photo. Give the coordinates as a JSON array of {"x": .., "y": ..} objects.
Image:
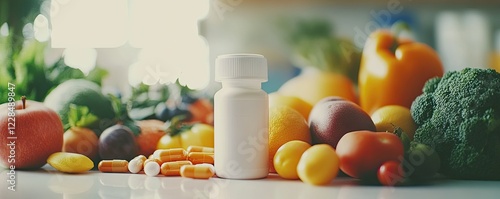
[{"x": 70, "y": 162}]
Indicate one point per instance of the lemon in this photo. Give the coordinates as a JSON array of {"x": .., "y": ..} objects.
[
  {"x": 276, "y": 99},
  {"x": 285, "y": 124},
  {"x": 318, "y": 165},
  {"x": 387, "y": 117},
  {"x": 287, "y": 158},
  {"x": 70, "y": 162},
  {"x": 169, "y": 142}
]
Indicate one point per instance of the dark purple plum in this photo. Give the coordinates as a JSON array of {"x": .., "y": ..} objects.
[
  {"x": 332, "y": 117},
  {"x": 117, "y": 142}
]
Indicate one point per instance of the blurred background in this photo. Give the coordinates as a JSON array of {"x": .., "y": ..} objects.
[{"x": 123, "y": 44}]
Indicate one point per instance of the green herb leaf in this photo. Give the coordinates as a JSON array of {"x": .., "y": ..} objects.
[
  {"x": 132, "y": 126},
  {"x": 80, "y": 116},
  {"x": 117, "y": 106},
  {"x": 178, "y": 126}
]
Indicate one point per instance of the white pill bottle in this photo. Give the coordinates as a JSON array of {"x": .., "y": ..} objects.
[{"x": 241, "y": 117}]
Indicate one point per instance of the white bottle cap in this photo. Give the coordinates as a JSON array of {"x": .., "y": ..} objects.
[{"x": 241, "y": 66}]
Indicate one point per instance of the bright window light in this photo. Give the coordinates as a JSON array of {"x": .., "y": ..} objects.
[
  {"x": 89, "y": 23},
  {"x": 172, "y": 48},
  {"x": 80, "y": 58},
  {"x": 4, "y": 29},
  {"x": 165, "y": 30},
  {"x": 41, "y": 28}
]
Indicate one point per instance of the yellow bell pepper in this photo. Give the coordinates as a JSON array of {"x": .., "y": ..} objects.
[{"x": 393, "y": 71}]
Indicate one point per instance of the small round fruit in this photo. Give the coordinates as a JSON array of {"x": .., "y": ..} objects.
[
  {"x": 117, "y": 142},
  {"x": 199, "y": 135},
  {"x": 388, "y": 117},
  {"x": 285, "y": 124},
  {"x": 390, "y": 173},
  {"x": 169, "y": 142},
  {"x": 151, "y": 132},
  {"x": 318, "y": 165},
  {"x": 276, "y": 99},
  {"x": 81, "y": 140},
  {"x": 287, "y": 158},
  {"x": 332, "y": 117}
]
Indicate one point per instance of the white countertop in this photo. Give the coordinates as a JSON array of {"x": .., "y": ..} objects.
[{"x": 50, "y": 184}]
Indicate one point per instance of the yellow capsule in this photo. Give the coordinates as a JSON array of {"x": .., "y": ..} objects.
[
  {"x": 200, "y": 171},
  {"x": 200, "y": 149},
  {"x": 201, "y": 157},
  {"x": 170, "y": 155},
  {"x": 173, "y": 168},
  {"x": 113, "y": 166},
  {"x": 135, "y": 165}
]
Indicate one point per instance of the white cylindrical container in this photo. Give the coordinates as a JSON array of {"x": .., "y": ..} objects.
[{"x": 241, "y": 117}]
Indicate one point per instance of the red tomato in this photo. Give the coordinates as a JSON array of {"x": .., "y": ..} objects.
[
  {"x": 361, "y": 153},
  {"x": 390, "y": 173}
]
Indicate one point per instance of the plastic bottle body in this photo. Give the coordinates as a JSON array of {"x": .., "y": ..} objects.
[{"x": 241, "y": 122}]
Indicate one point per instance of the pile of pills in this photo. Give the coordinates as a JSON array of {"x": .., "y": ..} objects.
[{"x": 195, "y": 162}]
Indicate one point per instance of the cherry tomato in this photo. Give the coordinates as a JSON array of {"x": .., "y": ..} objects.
[
  {"x": 390, "y": 173},
  {"x": 361, "y": 153}
]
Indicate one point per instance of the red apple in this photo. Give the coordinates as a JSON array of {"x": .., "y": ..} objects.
[{"x": 29, "y": 134}]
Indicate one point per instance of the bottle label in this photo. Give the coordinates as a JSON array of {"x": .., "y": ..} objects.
[{"x": 241, "y": 138}]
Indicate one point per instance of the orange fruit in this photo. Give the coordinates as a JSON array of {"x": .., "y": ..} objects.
[
  {"x": 387, "y": 117},
  {"x": 82, "y": 141},
  {"x": 313, "y": 85},
  {"x": 276, "y": 99},
  {"x": 151, "y": 132},
  {"x": 201, "y": 111},
  {"x": 285, "y": 124}
]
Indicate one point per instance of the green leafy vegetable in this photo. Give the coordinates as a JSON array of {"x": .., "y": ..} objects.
[
  {"x": 33, "y": 78},
  {"x": 80, "y": 116},
  {"x": 315, "y": 45},
  {"x": 121, "y": 114},
  {"x": 459, "y": 116}
]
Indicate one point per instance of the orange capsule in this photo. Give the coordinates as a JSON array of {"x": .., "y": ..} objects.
[
  {"x": 201, "y": 157},
  {"x": 170, "y": 155},
  {"x": 200, "y": 149},
  {"x": 200, "y": 171},
  {"x": 173, "y": 168},
  {"x": 113, "y": 166},
  {"x": 152, "y": 160}
]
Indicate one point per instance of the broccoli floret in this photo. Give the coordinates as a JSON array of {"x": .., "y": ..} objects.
[{"x": 459, "y": 115}]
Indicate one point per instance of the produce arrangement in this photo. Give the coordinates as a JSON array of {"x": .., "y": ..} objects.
[{"x": 399, "y": 120}]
